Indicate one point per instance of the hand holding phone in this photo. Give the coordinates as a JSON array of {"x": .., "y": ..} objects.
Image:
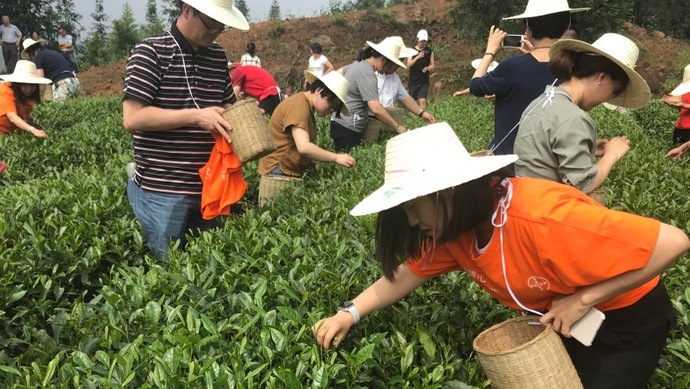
[
  {"x": 513, "y": 41},
  {"x": 585, "y": 329}
]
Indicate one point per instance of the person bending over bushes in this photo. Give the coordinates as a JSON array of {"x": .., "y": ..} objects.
[
  {"x": 18, "y": 95},
  {"x": 442, "y": 210}
]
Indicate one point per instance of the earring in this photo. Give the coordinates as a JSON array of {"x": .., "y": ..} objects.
[{"x": 599, "y": 83}]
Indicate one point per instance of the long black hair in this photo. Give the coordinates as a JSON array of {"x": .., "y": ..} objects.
[
  {"x": 251, "y": 49},
  {"x": 20, "y": 98},
  {"x": 471, "y": 203}
]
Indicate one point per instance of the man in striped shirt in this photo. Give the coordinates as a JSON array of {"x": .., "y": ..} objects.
[{"x": 176, "y": 88}]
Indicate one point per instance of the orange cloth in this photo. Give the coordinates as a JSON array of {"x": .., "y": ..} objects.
[
  {"x": 8, "y": 104},
  {"x": 553, "y": 245},
  {"x": 223, "y": 183},
  {"x": 683, "y": 122}
]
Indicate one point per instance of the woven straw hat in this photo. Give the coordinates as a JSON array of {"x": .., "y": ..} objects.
[
  {"x": 475, "y": 64},
  {"x": 28, "y": 42},
  {"x": 684, "y": 86},
  {"x": 334, "y": 81},
  {"x": 391, "y": 49},
  {"x": 25, "y": 73},
  {"x": 623, "y": 52},
  {"x": 223, "y": 11},
  {"x": 404, "y": 50},
  {"x": 537, "y": 8},
  {"x": 424, "y": 161}
]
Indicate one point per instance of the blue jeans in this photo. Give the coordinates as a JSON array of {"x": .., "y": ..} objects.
[{"x": 167, "y": 217}]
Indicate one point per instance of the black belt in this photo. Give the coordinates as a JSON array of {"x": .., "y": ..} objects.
[{"x": 10, "y": 43}]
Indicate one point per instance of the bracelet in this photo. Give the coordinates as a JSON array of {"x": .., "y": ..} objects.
[
  {"x": 421, "y": 113},
  {"x": 491, "y": 54}
]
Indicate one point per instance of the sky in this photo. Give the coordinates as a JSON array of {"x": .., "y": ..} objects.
[{"x": 258, "y": 9}]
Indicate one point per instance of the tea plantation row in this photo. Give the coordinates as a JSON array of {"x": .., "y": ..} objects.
[{"x": 83, "y": 306}]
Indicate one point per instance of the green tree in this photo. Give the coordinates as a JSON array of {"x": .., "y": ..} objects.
[
  {"x": 154, "y": 25},
  {"x": 96, "y": 51},
  {"x": 171, "y": 10},
  {"x": 68, "y": 17},
  {"x": 242, "y": 6},
  {"x": 274, "y": 11},
  {"x": 125, "y": 33}
]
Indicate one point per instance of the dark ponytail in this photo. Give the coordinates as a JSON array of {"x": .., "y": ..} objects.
[
  {"x": 251, "y": 49},
  {"x": 567, "y": 64}
]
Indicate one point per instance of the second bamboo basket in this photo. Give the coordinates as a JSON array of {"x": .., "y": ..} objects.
[{"x": 250, "y": 136}]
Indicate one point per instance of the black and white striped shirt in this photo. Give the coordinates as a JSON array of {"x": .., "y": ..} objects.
[{"x": 169, "y": 161}]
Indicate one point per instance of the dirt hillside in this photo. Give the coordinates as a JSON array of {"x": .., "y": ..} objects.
[{"x": 283, "y": 46}]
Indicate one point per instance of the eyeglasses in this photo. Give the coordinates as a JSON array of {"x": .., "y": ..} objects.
[{"x": 214, "y": 27}]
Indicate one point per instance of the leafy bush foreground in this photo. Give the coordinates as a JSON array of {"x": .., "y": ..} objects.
[{"x": 82, "y": 305}]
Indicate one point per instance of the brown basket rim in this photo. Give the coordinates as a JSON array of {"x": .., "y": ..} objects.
[{"x": 544, "y": 333}]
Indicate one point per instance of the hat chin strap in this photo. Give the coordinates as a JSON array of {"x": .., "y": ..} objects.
[{"x": 498, "y": 220}]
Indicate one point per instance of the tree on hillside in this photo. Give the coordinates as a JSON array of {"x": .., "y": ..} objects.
[
  {"x": 337, "y": 6},
  {"x": 125, "y": 33},
  {"x": 242, "y": 6},
  {"x": 96, "y": 51},
  {"x": 274, "y": 11},
  {"x": 154, "y": 25},
  {"x": 67, "y": 18},
  {"x": 171, "y": 10}
]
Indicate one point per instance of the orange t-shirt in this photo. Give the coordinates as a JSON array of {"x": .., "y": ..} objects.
[
  {"x": 8, "y": 104},
  {"x": 555, "y": 240}
]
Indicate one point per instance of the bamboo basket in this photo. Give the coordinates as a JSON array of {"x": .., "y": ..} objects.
[
  {"x": 250, "y": 136},
  {"x": 269, "y": 186},
  {"x": 375, "y": 127},
  {"x": 599, "y": 196},
  {"x": 371, "y": 131},
  {"x": 517, "y": 355}
]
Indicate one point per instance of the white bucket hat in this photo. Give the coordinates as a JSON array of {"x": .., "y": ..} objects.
[
  {"x": 25, "y": 73},
  {"x": 475, "y": 64},
  {"x": 390, "y": 48},
  {"x": 28, "y": 42},
  {"x": 537, "y": 8},
  {"x": 684, "y": 86},
  {"x": 223, "y": 11},
  {"x": 623, "y": 52},
  {"x": 334, "y": 81},
  {"x": 404, "y": 50},
  {"x": 423, "y": 35},
  {"x": 424, "y": 161}
]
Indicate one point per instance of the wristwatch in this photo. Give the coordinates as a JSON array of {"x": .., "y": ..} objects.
[{"x": 350, "y": 307}]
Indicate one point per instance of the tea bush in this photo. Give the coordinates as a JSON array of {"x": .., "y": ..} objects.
[{"x": 82, "y": 305}]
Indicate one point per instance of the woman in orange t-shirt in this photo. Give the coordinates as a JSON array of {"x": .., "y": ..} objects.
[
  {"x": 534, "y": 245},
  {"x": 18, "y": 94}
]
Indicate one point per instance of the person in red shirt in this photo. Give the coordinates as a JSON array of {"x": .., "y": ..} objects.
[
  {"x": 441, "y": 210},
  {"x": 18, "y": 94},
  {"x": 258, "y": 83},
  {"x": 679, "y": 98}
]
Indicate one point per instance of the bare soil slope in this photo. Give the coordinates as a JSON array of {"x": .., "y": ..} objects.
[{"x": 283, "y": 46}]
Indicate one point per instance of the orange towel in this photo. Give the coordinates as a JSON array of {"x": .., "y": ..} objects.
[{"x": 223, "y": 184}]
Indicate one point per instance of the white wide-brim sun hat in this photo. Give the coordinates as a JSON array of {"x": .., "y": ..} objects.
[
  {"x": 424, "y": 161},
  {"x": 624, "y": 53},
  {"x": 405, "y": 51},
  {"x": 223, "y": 11},
  {"x": 390, "y": 48},
  {"x": 336, "y": 82},
  {"x": 25, "y": 73},
  {"x": 475, "y": 64},
  {"x": 684, "y": 86},
  {"x": 536, "y": 8},
  {"x": 28, "y": 42}
]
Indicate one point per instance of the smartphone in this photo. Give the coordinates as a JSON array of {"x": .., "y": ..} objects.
[
  {"x": 513, "y": 41},
  {"x": 585, "y": 329}
]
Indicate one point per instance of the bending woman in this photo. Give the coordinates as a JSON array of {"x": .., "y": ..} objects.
[
  {"x": 18, "y": 95},
  {"x": 442, "y": 210},
  {"x": 557, "y": 139}
]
